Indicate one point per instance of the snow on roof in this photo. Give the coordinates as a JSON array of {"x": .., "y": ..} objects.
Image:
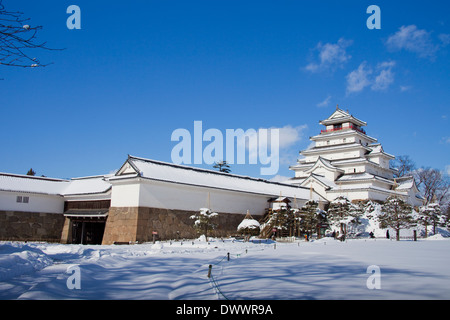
[
  {"x": 52, "y": 186},
  {"x": 376, "y": 149},
  {"x": 88, "y": 185},
  {"x": 282, "y": 199},
  {"x": 357, "y": 176},
  {"x": 325, "y": 162},
  {"x": 406, "y": 182},
  {"x": 324, "y": 180},
  {"x": 343, "y": 132},
  {"x": 31, "y": 184},
  {"x": 333, "y": 148},
  {"x": 169, "y": 172},
  {"x": 340, "y": 115}
]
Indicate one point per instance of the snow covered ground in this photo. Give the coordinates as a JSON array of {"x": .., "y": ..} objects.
[{"x": 322, "y": 269}]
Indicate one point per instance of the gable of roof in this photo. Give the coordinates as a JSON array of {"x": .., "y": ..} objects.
[
  {"x": 340, "y": 116},
  {"x": 321, "y": 180},
  {"x": 322, "y": 162},
  {"x": 406, "y": 183},
  {"x": 377, "y": 149}
]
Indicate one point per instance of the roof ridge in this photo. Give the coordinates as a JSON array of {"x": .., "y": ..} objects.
[
  {"x": 232, "y": 175},
  {"x": 32, "y": 177}
]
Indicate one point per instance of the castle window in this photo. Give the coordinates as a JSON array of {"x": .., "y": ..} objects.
[{"x": 20, "y": 199}]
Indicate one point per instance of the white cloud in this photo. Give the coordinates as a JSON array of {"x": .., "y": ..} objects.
[
  {"x": 405, "y": 88},
  {"x": 445, "y": 140},
  {"x": 324, "y": 103},
  {"x": 445, "y": 39},
  {"x": 379, "y": 78},
  {"x": 412, "y": 39},
  {"x": 288, "y": 137},
  {"x": 331, "y": 55},
  {"x": 358, "y": 79},
  {"x": 291, "y": 135},
  {"x": 385, "y": 77}
]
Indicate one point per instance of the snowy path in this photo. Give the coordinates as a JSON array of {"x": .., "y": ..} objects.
[{"x": 324, "y": 269}]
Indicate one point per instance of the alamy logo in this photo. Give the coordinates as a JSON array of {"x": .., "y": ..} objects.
[
  {"x": 374, "y": 280},
  {"x": 261, "y": 145},
  {"x": 74, "y": 281},
  {"x": 374, "y": 21},
  {"x": 74, "y": 20}
]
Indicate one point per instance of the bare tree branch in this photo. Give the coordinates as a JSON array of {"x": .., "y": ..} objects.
[
  {"x": 17, "y": 37},
  {"x": 403, "y": 165},
  {"x": 434, "y": 185}
]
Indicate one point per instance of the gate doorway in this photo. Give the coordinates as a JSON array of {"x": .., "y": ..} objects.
[
  {"x": 87, "y": 231},
  {"x": 87, "y": 220}
]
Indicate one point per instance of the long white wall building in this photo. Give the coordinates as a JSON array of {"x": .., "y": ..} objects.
[{"x": 142, "y": 198}]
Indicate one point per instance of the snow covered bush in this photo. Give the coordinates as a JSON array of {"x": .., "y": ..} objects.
[
  {"x": 204, "y": 221},
  {"x": 249, "y": 226},
  {"x": 431, "y": 215}
]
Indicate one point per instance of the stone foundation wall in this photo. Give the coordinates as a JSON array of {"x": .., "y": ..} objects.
[
  {"x": 16, "y": 225},
  {"x": 121, "y": 225},
  {"x": 127, "y": 224}
]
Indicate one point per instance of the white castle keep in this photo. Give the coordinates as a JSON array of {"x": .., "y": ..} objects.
[{"x": 345, "y": 161}]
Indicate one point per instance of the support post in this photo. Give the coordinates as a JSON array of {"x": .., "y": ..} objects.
[{"x": 209, "y": 271}]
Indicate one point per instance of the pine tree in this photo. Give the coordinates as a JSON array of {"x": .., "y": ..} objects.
[
  {"x": 397, "y": 214},
  {"x": 204, "y": 220},
  {"x": 284, "y": 219},
  {"x": 431, "y": 214},
  {"x": 338, "y": 213},
  {"x": 31, "y": 172},
  {"x": 355, "y": 213},
  {"x": 223, "y": 166},
  {"x": 310, "y": 217}
]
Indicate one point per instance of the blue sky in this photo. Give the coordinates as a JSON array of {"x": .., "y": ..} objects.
[{"x": 138, "y": 70}]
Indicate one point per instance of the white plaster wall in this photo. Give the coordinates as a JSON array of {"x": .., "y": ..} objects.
[
  {"x": 336, "y": 155},
  {"x": 319, "y": 189},
  {"x": 175, "y": 196},
  {"x": 125, "y": 195},
  {"x": 37, "y": 202},
  {"x": 158, "y": 194}
]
